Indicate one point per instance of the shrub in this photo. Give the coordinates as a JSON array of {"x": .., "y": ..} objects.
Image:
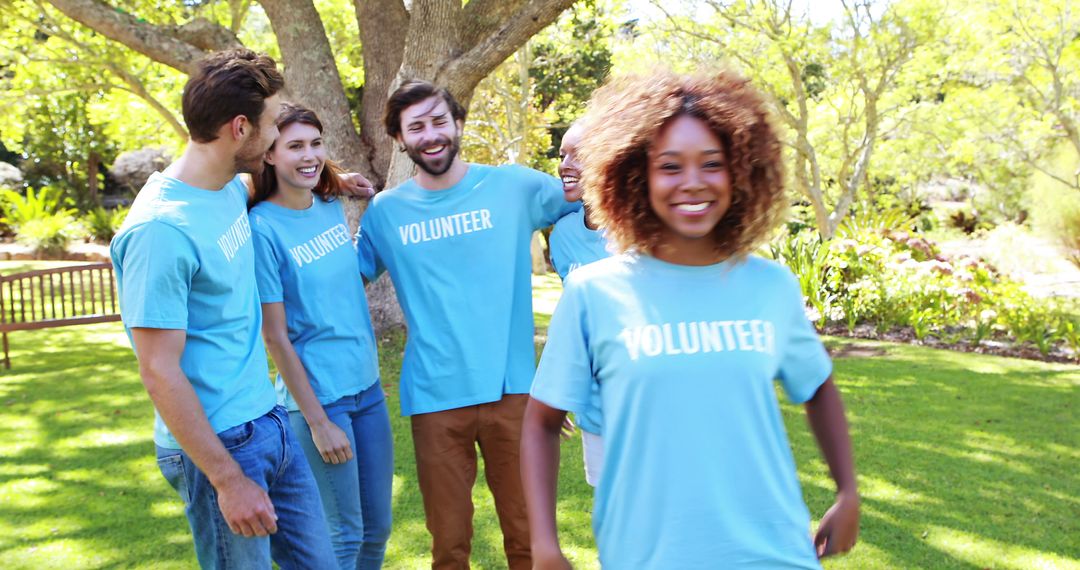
[
  {"x": 1055, "y": 206},
  {"x": 1067, "y": 233},
  {"x": 19, "y": 209},
  {"x": 102, "y": 224},
  {"x": 48, "y": 235},
  {"x": 897, "y": 279},
  {"x": 806, "y": 255}
]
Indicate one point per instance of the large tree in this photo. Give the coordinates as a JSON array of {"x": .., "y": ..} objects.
[
  {"x": 444, "y": 41},
  {"x": 837, "y": 88},
  {"x": 449, "y": 42}
]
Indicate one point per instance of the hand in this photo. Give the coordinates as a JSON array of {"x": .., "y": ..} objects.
[
  {"x": 332, "y": 443},
  {"x": 355, "y": 185},
  {"x": 550, "y": 561},
  {"x": 246, "y": 507},
  {"x": 839, "y": 527},
  {"x": 567, "y": 430}
]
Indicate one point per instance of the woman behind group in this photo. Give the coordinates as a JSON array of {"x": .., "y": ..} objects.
[
  {"x": 576, "y": 241},
  {"x": 318, "y": 330},
  {"x": 685, "y": 334}
]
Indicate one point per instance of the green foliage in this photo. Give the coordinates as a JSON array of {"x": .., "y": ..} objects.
[
  {"x": 572, "y": 57},
  {"x": 1055, "y": 206},
  {"x": 44, "y": 203},
  {"x": 806, "y": 255},
  {"x": 519, "y": 112},
  {"x": 71, "y": 98},
  {"x": 891, "y": 280},
  {"x": 102, "y": 224},
  {"x": 505, "y": 126},
  {"x": 48, "y": 235}
]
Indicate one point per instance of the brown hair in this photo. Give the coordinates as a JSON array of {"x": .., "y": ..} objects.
[
  {"x": 626, "y": 115},
  {"x": 410, "y": 93},
  {"x": 227, "y": 84},
  {"x": 264, "y": 184}
]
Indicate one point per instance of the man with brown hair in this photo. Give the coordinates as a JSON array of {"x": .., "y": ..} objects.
[
  {"x": 455, "y": 240},
  {"x": 185, "y": 270}
]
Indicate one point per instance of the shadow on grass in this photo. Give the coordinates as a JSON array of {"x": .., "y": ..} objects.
[
  {"x": 965, "y": 461},
  {"x": 79, "y": 487}
]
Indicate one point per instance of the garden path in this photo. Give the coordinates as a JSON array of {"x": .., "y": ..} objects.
[
  {"x": 1035, "y": 261},
  {"x": 80, "y": 251}
]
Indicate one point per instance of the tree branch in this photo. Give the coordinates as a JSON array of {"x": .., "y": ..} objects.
[
  {"x": 382, "y": 23},
  {"x": 466, "y": 71},
  {"x": 480, "y": 18},
  {"x": 159, "y": 43}
]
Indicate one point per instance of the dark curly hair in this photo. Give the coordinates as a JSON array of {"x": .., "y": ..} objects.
[{"x": 626, "y": 116}]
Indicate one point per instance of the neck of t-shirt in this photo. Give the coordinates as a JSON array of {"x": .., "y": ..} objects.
[
  {"x": 458, "y": 169},
  {"x": 292, "y": 198},
  {"x": 203, "y": 167}
]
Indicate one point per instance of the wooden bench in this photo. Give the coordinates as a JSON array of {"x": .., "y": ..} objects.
[{"x": 58, "y": 297}]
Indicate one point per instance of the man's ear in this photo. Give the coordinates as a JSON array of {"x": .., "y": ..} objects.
[{"x": 240, "y": 127}]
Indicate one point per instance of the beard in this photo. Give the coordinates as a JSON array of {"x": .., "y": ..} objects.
[
  {"x": 249, "y": 159},
  {"x": 439, "y": 166}
]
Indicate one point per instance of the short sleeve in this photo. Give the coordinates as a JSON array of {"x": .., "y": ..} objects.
[
  {"x": 564, "y": 376},
  {"x": 548, "y": 203},
  {"x": 157, "y": 263},
  {"x": 370, "y": 264},
  {"x": 804, "y": 363},
  {"x": 267, "y": 268}
]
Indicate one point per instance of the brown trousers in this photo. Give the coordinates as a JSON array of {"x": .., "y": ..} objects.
[{"x": 445, "y": 444}]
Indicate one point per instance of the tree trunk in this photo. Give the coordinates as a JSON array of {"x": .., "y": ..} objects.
[
  {"x": 93, "y": 166},
  {"x": 313, "y": 77},
  {"x": 439, "y": 40}
]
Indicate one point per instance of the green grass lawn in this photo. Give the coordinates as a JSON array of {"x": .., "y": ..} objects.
[{"x": 965, "y": 461}]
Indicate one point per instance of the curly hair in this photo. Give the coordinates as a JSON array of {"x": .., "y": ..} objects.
[{"x": 627, "y": 115}]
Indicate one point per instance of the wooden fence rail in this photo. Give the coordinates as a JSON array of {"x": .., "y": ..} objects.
[{"x": 62, "y": 296}]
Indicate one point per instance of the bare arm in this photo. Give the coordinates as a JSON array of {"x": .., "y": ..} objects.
[
  {"x": 839, "y": 528},
  {"x": 245, "y": 505},
  {"x": 329, "y": 439},
  {"x": 539, "y": 477}
]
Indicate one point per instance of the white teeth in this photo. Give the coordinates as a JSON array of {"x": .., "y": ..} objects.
[
  {"x": 570, "y": 179},
  {"x": 434, "y": 150},
  {"x": 692, "y": 208},
  {"x": 308, "y": 169}
]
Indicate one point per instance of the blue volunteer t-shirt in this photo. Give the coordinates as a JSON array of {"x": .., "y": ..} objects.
[
  {"x": 698, "y": 471},
  {"x": 306, "y": 259},
  {"x": 184, "y": 261},
  {"x": 572, "y": 245},
  {"x": 459, "y": 259}
]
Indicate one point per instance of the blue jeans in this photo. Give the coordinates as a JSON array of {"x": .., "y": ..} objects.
[
  {"x": 266, "y": 450},
  {"x": 356, "y": 494}
]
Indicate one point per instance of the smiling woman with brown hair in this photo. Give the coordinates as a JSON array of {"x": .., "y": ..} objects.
[{"x": 683, "y": 336}]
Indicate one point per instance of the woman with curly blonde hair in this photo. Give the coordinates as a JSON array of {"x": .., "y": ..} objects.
[{"x": 684, "y": 333}]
